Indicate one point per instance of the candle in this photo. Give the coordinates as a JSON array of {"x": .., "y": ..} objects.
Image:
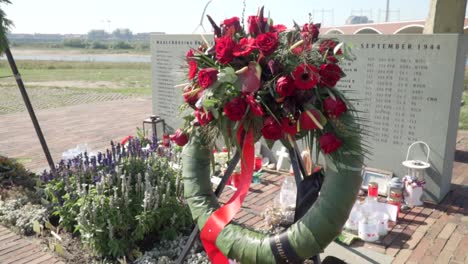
[{"x": 373, "y": 189}]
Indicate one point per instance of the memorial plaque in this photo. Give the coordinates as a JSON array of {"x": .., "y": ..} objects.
[
  {"x": 409, "y": 88},
  {"x": 168, "y": 68}
]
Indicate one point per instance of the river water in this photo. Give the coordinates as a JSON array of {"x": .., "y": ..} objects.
[
  {"x": 90, "y": 57},
  {"x": 83, "y": 57}
]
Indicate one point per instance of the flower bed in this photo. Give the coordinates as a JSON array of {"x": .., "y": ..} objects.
[{"x": 121, "y": 201}]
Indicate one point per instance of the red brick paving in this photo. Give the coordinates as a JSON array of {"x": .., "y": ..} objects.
[
  {"x": 63, "y": 128},
  {"x": 433, "y": 233}
]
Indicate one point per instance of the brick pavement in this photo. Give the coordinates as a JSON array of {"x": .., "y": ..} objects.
[
  {"x": 433, "y": 233},
  {"x": 63, "y": 128}
]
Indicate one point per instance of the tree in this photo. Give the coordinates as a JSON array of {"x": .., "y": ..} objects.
[
  {"x": 5, "y": 25},
  {"x": 97, "y": 34},
  {"x": 122, "y": 34}
]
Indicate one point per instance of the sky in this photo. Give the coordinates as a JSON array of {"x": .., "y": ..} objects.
[{"x": 183, "y": 16}]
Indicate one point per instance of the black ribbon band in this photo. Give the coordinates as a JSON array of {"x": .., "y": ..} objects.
[{"x": 282, "y": 249}]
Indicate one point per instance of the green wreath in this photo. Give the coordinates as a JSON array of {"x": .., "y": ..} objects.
[
  {"x": 307, "y": 237},
  {"x": 278, "y": 84}
]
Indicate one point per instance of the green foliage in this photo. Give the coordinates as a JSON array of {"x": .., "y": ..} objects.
[
  {"x": 118, "y": 210},
  {"x": 122, "y": 45},
  {"x": 98, "y": 45},
  {"x": 13, "y": 175},
  {"x": 463, "y": 122},
  {"x": 74, "y": 43},
  {"x": 5, "y": 25}
]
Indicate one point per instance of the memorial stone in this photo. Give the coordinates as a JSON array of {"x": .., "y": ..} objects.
[
  {"x": 408, "y": 87},
  {"x": 168, "y": 53}
]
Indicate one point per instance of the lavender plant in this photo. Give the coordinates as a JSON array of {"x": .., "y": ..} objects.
[{"x": 120, "y": 198}]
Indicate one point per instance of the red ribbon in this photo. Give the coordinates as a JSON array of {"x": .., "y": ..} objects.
[{"x": 221, "y": 217}]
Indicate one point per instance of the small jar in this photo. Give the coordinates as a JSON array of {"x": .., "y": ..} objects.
[
  {"x": 373, "y": 190},
  {"x": 396, "y": 194},
  {"x": 396, "y": 202}
]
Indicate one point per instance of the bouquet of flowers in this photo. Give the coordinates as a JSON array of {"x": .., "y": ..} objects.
[{"x": 277, "y": 82}]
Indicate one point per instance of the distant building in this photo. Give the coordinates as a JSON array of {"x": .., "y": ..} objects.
[
  {"x": 389, "y": 28},
  {"x": 352, "y": 20}
]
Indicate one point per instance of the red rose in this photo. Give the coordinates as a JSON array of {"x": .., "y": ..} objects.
[
  {"x": 330, "y": 74},
  {"x": 207, "y": 76},
  {"x": 327, "y": 46},
  {"x": 254, "y": 25},
  {"x": 332, "y": 59},
  {"x": 235, "y": 109},
  {"x": 306, "y": 121},
  {"x": 179, "y": 137},
  {"x": 191, "y": 97},
  {"x": 224, "y": 47},
  {"x": 271, "y": 129},
  {"x": 267, "y": 43},
  {"x": 285, "y": 86},
  {"x": 329, "y": 143},
  {"x": 305, "y": 76},
  {"x": 278, "y": 28},
  {"x": 310, "y": 31},
  {"x": 203, "y": 117},
  {"x": 255, "y": 107},
  {"x": 289, "y": 126},
  {"x": 231, "y": 26},
  {"x": 192, "y": 69},
  {"x": 334, "y": 108},
  {"x": 189, "y": 55},
  {"x": 244, "y": 47}
]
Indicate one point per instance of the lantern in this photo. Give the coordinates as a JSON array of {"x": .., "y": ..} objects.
[
  {"x": 154, "y": 120},
  {"x": 414, "y": 180}
]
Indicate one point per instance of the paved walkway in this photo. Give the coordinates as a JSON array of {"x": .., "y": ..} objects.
[
  {"x": 17, "y": 250},
  {"x": 428, "y": 234},
  {"x": 95, "y": 124}
]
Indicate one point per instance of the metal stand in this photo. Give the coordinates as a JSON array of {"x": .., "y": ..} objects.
[
  {"x": 232, "y": 165},
  {"x": 27, "y": 102}
]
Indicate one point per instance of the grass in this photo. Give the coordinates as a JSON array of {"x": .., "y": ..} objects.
[
  {"x": 128, "y": 78},
  {"x": 463, "y": 121},
  {"x": 61, "y": 48},
  {"x": 52, "y": 84}
]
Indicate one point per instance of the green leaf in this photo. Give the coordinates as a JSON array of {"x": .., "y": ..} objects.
[
  {"x": 270, "y": 143},
  {"x": 59, "y": 249},
  {"x": 49, "y": 225},
  {"x": 37, "y": 228}
]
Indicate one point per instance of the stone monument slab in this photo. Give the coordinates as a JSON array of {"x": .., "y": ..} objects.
[
  {"x": 409, "y": 88},
  {"x": 168, "y": 69}
]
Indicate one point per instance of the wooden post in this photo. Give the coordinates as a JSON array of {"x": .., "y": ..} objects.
[{"x": 445, "y": 16}]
